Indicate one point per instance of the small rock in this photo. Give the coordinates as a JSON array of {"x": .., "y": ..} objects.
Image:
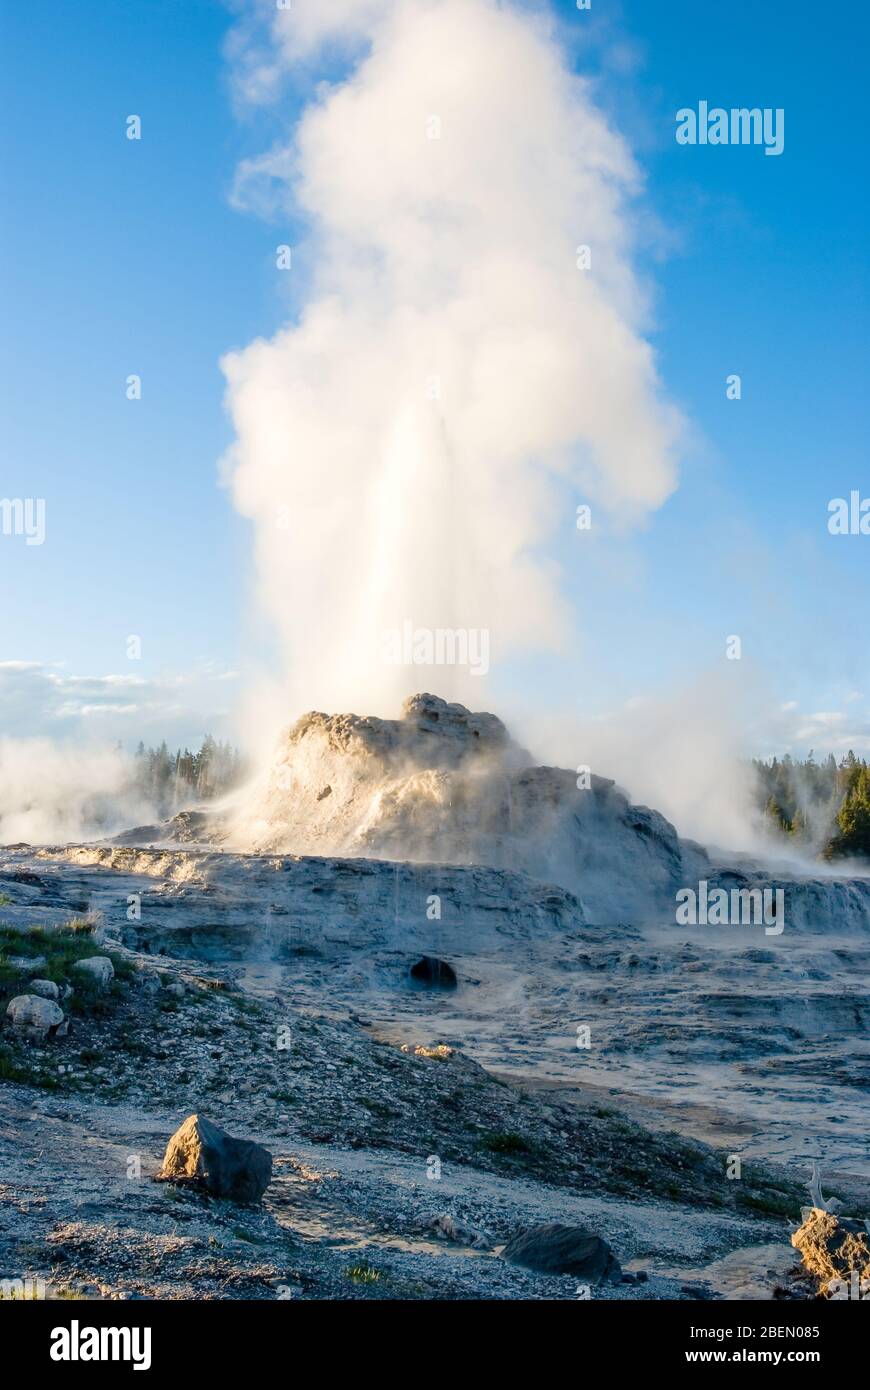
[
  {"x": 100, "y": 968},
  {"x": 557, "y": 1249},
  {"x": 447, "y": 1225},
  {"x": 33, "y": 1016},
  {"x": 46, "y": 988},
  {"x": 204, "y": 1154}
]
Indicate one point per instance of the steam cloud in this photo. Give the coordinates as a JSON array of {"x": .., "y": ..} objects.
[
  {"x": 51, "y": 793},
  {"x": 455, "y": 385}
]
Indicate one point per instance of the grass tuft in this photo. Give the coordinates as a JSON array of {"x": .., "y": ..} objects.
[{"x": 364, "y": 1274}]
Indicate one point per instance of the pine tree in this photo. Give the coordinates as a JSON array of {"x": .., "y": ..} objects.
[
  {"x": 854, "y": 817},
  {"x": 800, "y": 829},
  {"x": 774, "y": 816}
]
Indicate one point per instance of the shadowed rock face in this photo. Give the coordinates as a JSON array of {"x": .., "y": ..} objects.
[
  {"x": 202, "y": 1153},
  {"x": 429, "y": 970},
  {"x": 557, "y": 1249}
]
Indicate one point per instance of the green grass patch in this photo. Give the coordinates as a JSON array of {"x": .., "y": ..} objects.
[
  {"x": 772, "y": 1203},
  {"x": 505, "y": 1142},
  {"x": 60, "y": 951},
  {"x": 377, "y": 1107},
  {"x": 364, "y": 1274},
  {"x": 26, "y": 1074},
  {"x": 252, "y": 1008}
]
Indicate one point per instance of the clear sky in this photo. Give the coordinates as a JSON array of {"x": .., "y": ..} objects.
[{"x": 123, "y": 257}]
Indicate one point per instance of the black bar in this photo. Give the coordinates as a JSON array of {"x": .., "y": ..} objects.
[{"x": 653, "y": 1337}]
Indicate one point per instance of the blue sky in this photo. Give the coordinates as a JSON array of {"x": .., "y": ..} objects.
[{"x": 122, "y": 257}]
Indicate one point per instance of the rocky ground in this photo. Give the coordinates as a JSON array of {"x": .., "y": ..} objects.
[
  {"x": 667, "y": 1087},
  {"x": 374, "y": 1145},
  {"x": 759, "y": 1043}
]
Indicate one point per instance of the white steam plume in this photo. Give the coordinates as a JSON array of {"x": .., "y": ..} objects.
[
  {"x": 51, "y": 793},
  {"x": 679, "y": 750},
  {"x": 455, "y": 384}
]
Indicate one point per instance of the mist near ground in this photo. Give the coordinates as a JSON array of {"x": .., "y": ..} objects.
[
  {"x": 55, "y": 792},
  {"x": 52, "y": 793}
]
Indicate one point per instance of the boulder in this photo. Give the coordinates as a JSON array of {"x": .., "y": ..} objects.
[
  {"x": 33, "y": 1016},
  {"x": 47, "y": 989},
  {"x": 100, "y": 968},
  {"x": 429, "y": 970},
  {"x": 557, "y": 1249},
  {"x": 835, "y": 1251},
  {"x": 201, "y": 1153}
]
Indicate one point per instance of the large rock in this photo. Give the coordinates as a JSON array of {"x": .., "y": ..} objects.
[
  {"x": 202, "y": 1153},
  {"x": 100, "y": 968},
  {"x": 557, "y": 1249},
  {"x": 33, "y": 1016},
  {"x": 836, "y": 1251}
]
